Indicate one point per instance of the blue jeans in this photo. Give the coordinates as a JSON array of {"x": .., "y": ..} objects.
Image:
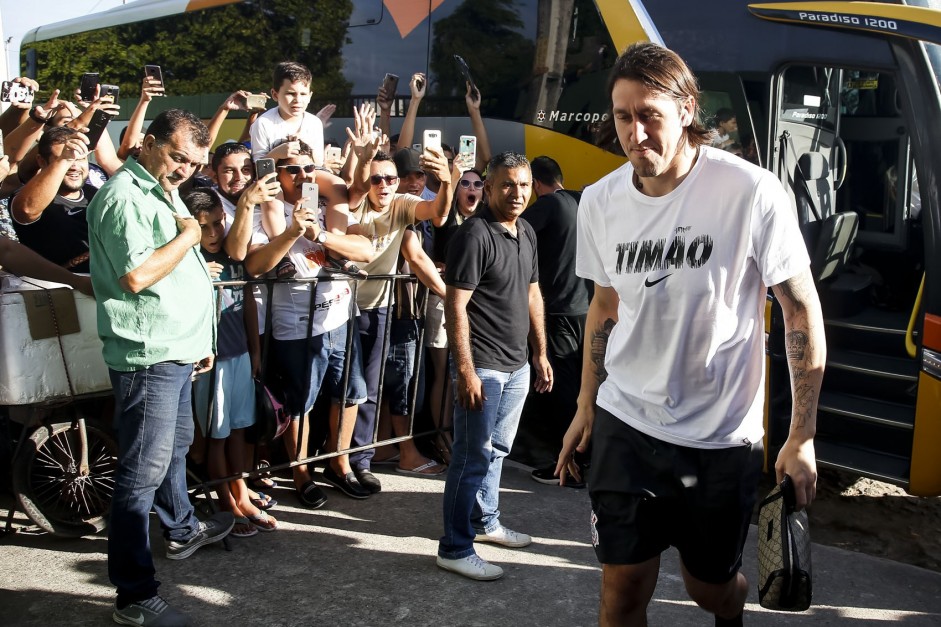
[
  {"x": 481, "y": 440},
  {"x": 372, "y": 327},
  {"x": 154, "y": 427}
]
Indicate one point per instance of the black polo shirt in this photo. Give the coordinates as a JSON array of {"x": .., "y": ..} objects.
[{"x": 484, "y": 257}]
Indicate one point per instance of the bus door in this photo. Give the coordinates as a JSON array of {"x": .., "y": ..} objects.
[{"x": 861, "y": 143}]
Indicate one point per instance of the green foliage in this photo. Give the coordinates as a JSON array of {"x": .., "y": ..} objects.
[{"x": 207, "y": 55}]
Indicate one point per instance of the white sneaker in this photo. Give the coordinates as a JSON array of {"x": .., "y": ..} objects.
[
  {"x": 472, "y": 567},
  {"x": 506, "y": 537}
]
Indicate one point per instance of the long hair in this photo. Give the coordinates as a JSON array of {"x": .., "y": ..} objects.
[{"x": 664, "y": 73}]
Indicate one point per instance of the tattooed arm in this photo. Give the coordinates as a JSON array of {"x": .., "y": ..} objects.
[
  {"x": 806, "y": 356},
  {"x": 602, "y": 316}
]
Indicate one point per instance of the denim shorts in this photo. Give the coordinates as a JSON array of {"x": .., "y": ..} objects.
[
  {"x": 308, "y": 365},
  {"x": 400, "y": 366},
  {"x": 647, "y": 494},
  {"x": 234, "y": 401}
]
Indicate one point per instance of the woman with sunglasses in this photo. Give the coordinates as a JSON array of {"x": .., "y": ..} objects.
[{"x": 467, "y": 197}]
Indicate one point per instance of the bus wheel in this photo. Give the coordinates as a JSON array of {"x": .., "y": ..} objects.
[{"x": 50, "y": 486}]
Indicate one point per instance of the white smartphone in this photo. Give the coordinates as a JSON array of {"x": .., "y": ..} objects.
[
  {"x": 468, "y": 146},
  {"x": 332, "y": 153},
  {"x": 431, "y": 139},
  {"x": 1, "y": 144},
  {"x": 311, "y": 192}
]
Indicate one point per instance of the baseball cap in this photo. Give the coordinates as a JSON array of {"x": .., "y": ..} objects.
[{"x": 406, "y": 161}]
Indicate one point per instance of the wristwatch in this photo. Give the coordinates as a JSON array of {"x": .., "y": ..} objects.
[
  {"x": 321, "y": 237},
  {"x": 35, "y": 117}
]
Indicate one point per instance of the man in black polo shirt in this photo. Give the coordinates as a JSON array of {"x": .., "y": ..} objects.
[
  {"x": 493, "y": 303},
  {"x": 49, "y": 211},
  {"x": 553, "y": 218}
]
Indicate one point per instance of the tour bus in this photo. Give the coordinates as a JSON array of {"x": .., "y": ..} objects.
[{"x": 839, "y": 99}]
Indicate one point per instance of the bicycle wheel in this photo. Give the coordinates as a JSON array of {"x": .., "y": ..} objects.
[{"x": 50, "y": 488}]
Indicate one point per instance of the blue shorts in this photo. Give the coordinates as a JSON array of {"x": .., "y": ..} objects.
[
  {"x": 234, "y": 406},
  {"x": 322, "y": 357}
]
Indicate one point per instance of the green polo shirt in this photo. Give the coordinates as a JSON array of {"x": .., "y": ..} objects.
[{"x": 172, "y": 320}]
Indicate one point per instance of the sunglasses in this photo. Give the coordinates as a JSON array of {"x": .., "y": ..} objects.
[
  {"x": 476, "y": 184},
  {"x": 389, "y": 179},
  {"x": 294, "y": 170}
]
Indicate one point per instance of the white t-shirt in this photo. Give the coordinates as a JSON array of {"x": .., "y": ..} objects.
[
  {"x": 230, "y": 209},
  {"x": 271, "y": 130},
  {"x": 685, "y": 360},
  {"x": 291, "y": 301}
]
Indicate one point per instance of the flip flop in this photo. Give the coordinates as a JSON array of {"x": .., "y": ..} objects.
[
  {"x": 244, "y": 522},
  {"x": 261, "y": 483},
  {"x": 421, "y": 471},
  {"x": 263, "y": 502},
  {"x": 263, "y": 522}
]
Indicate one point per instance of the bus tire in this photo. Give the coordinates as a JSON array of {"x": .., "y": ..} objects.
[{"x": 49, "y": 487}]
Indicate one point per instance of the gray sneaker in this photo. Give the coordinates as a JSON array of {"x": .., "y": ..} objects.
[
  {"x": 209, "y": 531},
  {"x": 152, "y": 612}
]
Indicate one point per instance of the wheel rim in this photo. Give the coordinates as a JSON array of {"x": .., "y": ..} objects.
[{"x": 59, "y": 489}]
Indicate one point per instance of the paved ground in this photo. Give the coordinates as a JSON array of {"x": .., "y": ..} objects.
[{"x": 372, "y": 563}]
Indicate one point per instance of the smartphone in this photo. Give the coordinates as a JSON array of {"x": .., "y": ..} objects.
[
  {"x": 87, "y": 86},
  {"x": 462, "y": 65},
  {"x": 311, "y": 192},
  {"x": 1, "y": 144},
  {"x": 332, "y": 153},
  {"x": 15, "y": 92},
  {"x": 390, "y": 83},
  {"x": 468, "y": 146},
  {"x": 109, "y": 91},
  {"x": 97, "y": 125},
  {"x": 431, "y": 139},
  {"x": 154, "y": 71},
  {"x": 264, "y": 167},
  {"x": 256, "y": 101}
]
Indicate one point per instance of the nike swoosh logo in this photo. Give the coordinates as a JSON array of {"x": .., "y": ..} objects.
[
  {"x": 649, "y": 283},
  {"x": 138, "y": 620}
]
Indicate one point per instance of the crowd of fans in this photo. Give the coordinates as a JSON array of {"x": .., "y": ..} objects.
[{"x": 381, "y": 205}]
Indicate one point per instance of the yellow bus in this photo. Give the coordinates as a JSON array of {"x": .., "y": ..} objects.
[{"x": 839, "y": 99}]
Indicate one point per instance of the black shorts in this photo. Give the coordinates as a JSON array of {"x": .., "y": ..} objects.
[{"x": 648, "y": 495}]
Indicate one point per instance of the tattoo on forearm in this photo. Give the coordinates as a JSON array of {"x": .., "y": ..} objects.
[
  {"x": 599, "y": 345},
  {"x": 796, "y": 345}
]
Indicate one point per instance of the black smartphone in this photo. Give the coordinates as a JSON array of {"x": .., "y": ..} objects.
[
  {"x": 389, "y": 84},
  {"x": 109, "y": 91},
  {"x": 462, "y": 65},
  {"x": 264, "y": 167},
  {"x": 97, "y": 125},
  {"x": 87, "y": 86},
  {"x": 154, "y": 72}
]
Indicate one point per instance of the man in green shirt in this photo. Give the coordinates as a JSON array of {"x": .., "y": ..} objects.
[{"x": 155, "y": 319}]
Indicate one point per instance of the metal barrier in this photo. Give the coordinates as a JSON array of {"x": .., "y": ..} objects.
[{"x": 351, "y": 328}]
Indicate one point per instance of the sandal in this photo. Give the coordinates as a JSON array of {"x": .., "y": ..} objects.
[
  {"x": 285, "y": 269},
  {"x": 263, "y": 501},
  {"x": 243, "y": 528},
  {"x": 344, "y": 266},
  {"x": 429, "y": 469},
  {"x": 261, "y": 483},
  {"x": 263, "y": 522}
]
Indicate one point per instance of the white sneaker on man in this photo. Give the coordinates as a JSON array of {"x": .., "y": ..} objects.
[
  {"x": 506, "y": 537},
  {"x": 472, "y": 567}
]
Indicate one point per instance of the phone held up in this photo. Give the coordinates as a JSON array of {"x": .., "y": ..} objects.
[
  {"x": 310, "y": 192},
  {"x": 154, "y": 72},
  {"x": 332, "y": 153},
  {"x": 389, "y": 84},
  {"x": 256, "y": 102},
  {"x": 431, "y": 139},
  {"x": 15, "y": 92},
  {"x": 86, "y": 88},
  {"x": 264, "y": 167},
  {"x": 467, "y": 150},
  {"x": 96, "y": 126}
]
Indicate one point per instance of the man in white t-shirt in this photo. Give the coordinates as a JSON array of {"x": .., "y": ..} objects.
[
  {"x": 309, "y": 338},
  {"x": 682, "y": 243},
  {"x": 276, "y": 132}
]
